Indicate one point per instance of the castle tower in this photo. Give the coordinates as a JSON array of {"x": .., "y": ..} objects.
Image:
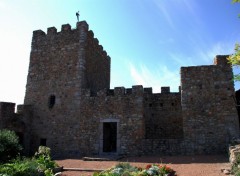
[
  {"x": 60, "y": 60},
  {"x": 62, "y": 64},
  {"x": 210, "y": 118}
]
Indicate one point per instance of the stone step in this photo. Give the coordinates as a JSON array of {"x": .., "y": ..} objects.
[
  {"x": 82, "y": 169},
  {"x": 105, "y": 158}
]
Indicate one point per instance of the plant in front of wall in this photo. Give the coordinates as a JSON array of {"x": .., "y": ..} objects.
[{"x": 125, "y": 169}]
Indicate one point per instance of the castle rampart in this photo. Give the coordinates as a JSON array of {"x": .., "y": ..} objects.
[{"x": 68, "y": 95}]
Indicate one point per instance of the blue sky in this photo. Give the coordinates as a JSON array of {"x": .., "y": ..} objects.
[{"x": 148, "y": 40}]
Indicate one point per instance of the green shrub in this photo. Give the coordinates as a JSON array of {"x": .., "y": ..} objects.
[
  {"x": 19, "y": 167},
  {"x": 125, "y": 169},
  {"x": 9, "y": 145},
  {"x": 40, "y": 163},
  {"x": 235, "y": 166},
  {"x": 43, "y": 158}
]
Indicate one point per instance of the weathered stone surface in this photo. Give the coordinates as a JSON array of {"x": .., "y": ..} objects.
[{"x": 69, "y": 107}]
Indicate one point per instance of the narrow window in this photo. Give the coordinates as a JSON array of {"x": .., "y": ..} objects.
[
  {"x": 43, "y": 142},
  {"x": 51, "y": 101}
]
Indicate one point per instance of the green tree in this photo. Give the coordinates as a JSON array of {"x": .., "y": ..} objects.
[
  {"x": 234, "y": 59},
  {"x": 234, "y": 1},
  {"x": 9, "y": 145}
]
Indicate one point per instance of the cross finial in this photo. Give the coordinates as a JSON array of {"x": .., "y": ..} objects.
[{"x": 77, "y": 14}]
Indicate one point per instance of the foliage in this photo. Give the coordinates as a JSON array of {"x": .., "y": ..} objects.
[
  {"x": 234, "y": 1},
  {"x": 40, "y": 163},
  {"x": 235, "y": 166},
  {"x": 19, "y": 167},
  {"x": 234, "y": 59},
  {"x": 125, "y": 169},
  {"x": 9, "y": 145},
  {"x": 44, "y": 160}
]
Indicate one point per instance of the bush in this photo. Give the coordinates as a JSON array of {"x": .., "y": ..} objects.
[
  {"x": 43, "y": 158},
  {"x": 125, "y": 169},
  {"x": 9, "y": 145},
  {"x": 19, "y": 167},
  {"x": 235, "y": 166},
  {"x": 40, "y": 163}
]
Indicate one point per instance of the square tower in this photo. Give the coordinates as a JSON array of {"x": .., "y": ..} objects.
[{"x": 62, "y": 64}]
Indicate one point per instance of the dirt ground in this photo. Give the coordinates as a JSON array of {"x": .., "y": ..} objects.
[{"x": 201, "y": 165}]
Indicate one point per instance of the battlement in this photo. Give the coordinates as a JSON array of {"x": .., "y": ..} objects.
[
  {"x": 221, "y": 60},
  {"x": 7, "y": 107},
  {"x": 95, "y": 43},
  {"x": 64, "y": 28},
  {"x": 82, "y": 29},
  {"x": 6, "y": 112},
  {"x": 122, "y": 91}
]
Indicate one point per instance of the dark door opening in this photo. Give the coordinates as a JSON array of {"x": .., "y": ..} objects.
[
  {"x": 110, "y": 137},
  {"x": 20, "y": 138}
]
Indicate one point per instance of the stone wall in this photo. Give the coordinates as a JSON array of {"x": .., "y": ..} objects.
[
  {"x": 130, "y": 109},
  {"x": 6, "y": 113},
  {"x": 125, "y": 106},
  {"x": 69, "y": 107},
  {"x": 97, "y": 65},
  {"x": 18, "y": 122},
  {"x": 61, "y": 65},
  {"x": 209, "y": 114},
  {"x": 163, "y": 115}
]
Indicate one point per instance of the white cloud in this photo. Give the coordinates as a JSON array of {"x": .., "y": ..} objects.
[
  {"x": 220, "y": 48},
  {"x": 155, "y": 78},
  {"x": 163, "y": 11},
  {"x": 181, "y": 60},
  {"x": 192, "y": 8}
]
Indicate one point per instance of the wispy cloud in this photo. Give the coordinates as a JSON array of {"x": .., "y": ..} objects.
[
  {"x": 181, "y": 60},
  {"x": 171, "y": 9},
  {"x": 220, "y": 48},
  {"x": 164, "y": 11},
  {"x": 155, "y": 78},
  {"x": 166, "y": 41},
  {"x": 192, "y": 8}
]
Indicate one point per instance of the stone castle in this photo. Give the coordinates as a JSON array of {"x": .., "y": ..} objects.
[{"x": 70, "y": 107}]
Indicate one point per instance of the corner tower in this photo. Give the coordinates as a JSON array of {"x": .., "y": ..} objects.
[
  {"x": 62, "y": 64},
  {"x": 210, "y": 117}
]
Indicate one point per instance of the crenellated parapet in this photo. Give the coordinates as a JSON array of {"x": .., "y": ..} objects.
[
  {"x": 66, "y": 29},
  {"x": 7, "y": 111},
  {"x": 122, "y": 91},
  {"x": 94, "y": 43},
  {"x": 221, "y": 60}
]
